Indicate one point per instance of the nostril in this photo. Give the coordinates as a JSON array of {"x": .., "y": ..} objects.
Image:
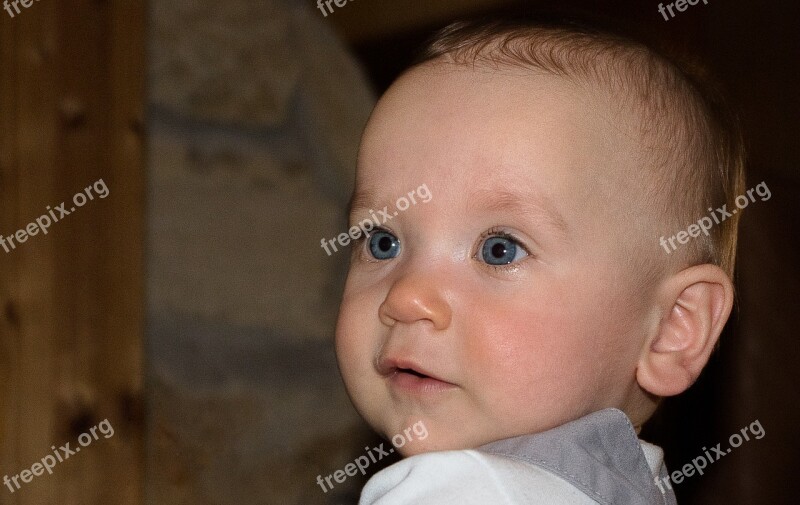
[{"x": 385, "y": 316}]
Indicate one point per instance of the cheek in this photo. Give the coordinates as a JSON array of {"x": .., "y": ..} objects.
[
  {"x": 539, "y": 325},
  {"x": 535, "y": 350},
  {"x": 353, "y": 331}
]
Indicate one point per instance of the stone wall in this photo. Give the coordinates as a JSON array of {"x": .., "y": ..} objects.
[{"x": 255, "y": 113}]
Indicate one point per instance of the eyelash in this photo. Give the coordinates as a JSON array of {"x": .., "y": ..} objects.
[
  {"x": 364, "y": 236},
  {"x": 497, "y": 231}
]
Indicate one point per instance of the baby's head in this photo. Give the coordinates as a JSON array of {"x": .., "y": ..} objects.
[{"x": 531, "y": 289}]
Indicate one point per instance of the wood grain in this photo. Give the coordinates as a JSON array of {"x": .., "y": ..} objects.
[{"x": 71, "y": 318}]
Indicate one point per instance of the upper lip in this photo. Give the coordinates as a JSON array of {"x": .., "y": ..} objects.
[{"x": 389, "y": 365}]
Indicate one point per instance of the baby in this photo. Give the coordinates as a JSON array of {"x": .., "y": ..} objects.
[{"x": 527, "y": 314}]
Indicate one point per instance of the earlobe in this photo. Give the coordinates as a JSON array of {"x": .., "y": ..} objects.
[{"x": 695, "y": 305}]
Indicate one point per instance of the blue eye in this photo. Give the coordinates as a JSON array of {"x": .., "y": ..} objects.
[
  {"x": 383, "y": 245},
  {"x": 501, "y": 250}
]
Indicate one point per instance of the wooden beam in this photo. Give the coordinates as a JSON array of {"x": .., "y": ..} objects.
[{"x": 71, "y": 300}]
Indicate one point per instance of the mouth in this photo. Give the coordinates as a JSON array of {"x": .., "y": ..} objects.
[
  {"x": 406, "y": 376},
  {"x": 413, "y": 372}
]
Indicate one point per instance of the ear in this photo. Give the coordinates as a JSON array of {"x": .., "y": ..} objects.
[{"x": 694, "y": 304}]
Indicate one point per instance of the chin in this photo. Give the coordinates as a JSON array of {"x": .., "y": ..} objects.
[
  {"x": 423, "y": 446},
  {"x": 417, "y": 435},
  {"x": 432, "y": 444}
]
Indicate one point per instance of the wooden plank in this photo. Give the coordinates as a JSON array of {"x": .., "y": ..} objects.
[
  {"x": 30, "y": 302},
  {"x": 72, "y": 301},
  {"x": 9, "y": 327},
  {"x": 124, "y": 245}
]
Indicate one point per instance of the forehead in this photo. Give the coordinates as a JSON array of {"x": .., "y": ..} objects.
[
  {"x": 463, "y": 125},
  {"x": 461, "y": 103}
]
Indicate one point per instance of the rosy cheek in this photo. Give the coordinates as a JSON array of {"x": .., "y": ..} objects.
[{"x": 517, "y": 346}]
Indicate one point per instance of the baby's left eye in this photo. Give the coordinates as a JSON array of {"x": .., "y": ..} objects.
[{"x": 501, "y": 250}]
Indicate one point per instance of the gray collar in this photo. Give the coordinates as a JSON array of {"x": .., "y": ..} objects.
[{"x": 598, "y": 453}]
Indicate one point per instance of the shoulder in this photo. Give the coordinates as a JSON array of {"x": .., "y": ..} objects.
[{"x": 467, "y": 477}]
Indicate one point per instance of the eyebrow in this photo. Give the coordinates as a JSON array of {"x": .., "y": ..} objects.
[
  {"x": 498, "y": 200},
  {"x": 528, "y": 204},
  {"x": 360, "y": 200}
]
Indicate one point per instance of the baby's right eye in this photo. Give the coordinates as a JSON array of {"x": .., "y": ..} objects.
[{"x": 383, "y": 245}]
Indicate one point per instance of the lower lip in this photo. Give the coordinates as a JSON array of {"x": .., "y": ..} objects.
[{"x": 412, "y": 383}]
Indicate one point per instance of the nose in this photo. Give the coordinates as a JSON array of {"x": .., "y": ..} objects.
[{"x": 416, "y": 297}]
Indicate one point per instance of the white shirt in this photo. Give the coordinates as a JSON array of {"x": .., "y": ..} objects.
[{"x": 470, "y": 477}]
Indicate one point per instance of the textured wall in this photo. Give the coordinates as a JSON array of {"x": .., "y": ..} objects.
[{"x": 255, "y": 114}]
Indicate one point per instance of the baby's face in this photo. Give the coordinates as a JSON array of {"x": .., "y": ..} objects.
[{"x": 504, "y": 305}]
